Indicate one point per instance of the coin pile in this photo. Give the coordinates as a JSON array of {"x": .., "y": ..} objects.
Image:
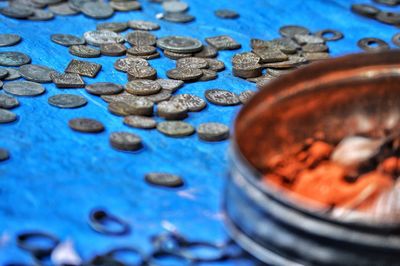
[{"x": 373, "y": 12}]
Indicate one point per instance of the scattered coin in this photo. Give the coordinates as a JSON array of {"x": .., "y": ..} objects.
[
  {"x": 192, "y": 103},
  {"x": 36, "y": 73},
  {"x": 307, "y": 39},
  {"x": 13, "y": 74},
  {"x": 172, "y": 110},
  {"x": 140, "y": 122},
  {"x": 247, "y": 58},
  {"x": 329, "y": 35},
  {"x": 7, "y": 116},
  {"x": 175, "y": 6},
  {"x": 170, "y": 84},
  {"x": 291, "y": 30},
  {"x": 387, "y": 2},
  {"x": 373, "y": 44},
  {"x": 125, "y": 141},
  {"x": 14, "y": 59},
  {"x": 164, "y": 180},
  {"x": 208, "y": 75},
  {"x": 3, "y": 73},
  {"x": 67, "y": 101},
  {"x": 226, "y": 14},
  {"x": 143, "y": 87},
  {"x": 213, "y": 131},
  {"x": 365, "y": 10},
  {"x": 97, "y": 10},
  {"x": 139, "y": 38},
  {"x": 23, "y": 88},
  {"x": 142, "y": 50},
  {"x": 269, "y": 55},
  {"x": 66, "y": 80},
  {"x": 143, "y": 25},
  {"x": 163, "y": 95},
  {"x": 142, "y": 72},
  {"x": 4, "y": 155},
  {"x": 99, "y": 37},
  {"x": 215, "y": 65},
  {"x": 67, "y": 39},
  {"x": 175, "y": 128},
  {"x": 390, "y": 18},
  {"x": 136, "y": 106},
  {"x": 245, "y": 96},
  {"x": 84, "y": 51},
  {"x": 113, "y": 49},
  {"x": 180, "y": 44},
  {"x": 112, "y": 26},
  {"x": 247, "y": 70},
  {"x": 9, "y": 39},
  {"x": 396, "y": 39},
  {"x": 191, "y": 62},
  {"x": 20, "y": 12},
  {"x": 41, "y": 15},
  {"x": 120, "y": 97},
  {"x": 104, "y": 88},
  {"x": 147, "y": 57},
  {"x": 62, "y": 9},
  {"x": 83, "y": 68},
  {"x": 178, "y": 17},
  {"x": 125, "y": 5},
  {"x": 86, "y": 125},
  {"x": 127, "y": 63},
  {"x": 222, "y": 97},
  {"x": 315, "y": 48},
  {"x": 223, "y": 42},
  {"x": 176, "y": 56},
  {"x": 294, "y": 61},
  {"x": 8, "y": 102},
  {"x": 207, "y": 52},
  {"x": 185, "y": 74},
  {"x": 315, "y": 56}
]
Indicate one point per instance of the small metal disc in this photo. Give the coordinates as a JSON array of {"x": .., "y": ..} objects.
[
  {"x": 67, "y": 101},
  {"x": 373, "y": 45},
  {"x": 213, "y": 131},
  {"x": 20, "y": 12},
  {"x": 143, "y": 25},
  {"x": 207, "y": 52},
  {"x": 127, "y": 63},
  {"x": 291, "y": 30},
  {"x": 112, "y": 26},
  {"x": 7, "y": 116},
  {"x": 193, "y": 103},
  {"x": 143, "y": 87},
  {"x": 136, "y": 106},
  {"x": 145, "y": 72},
  {"x": 23, "y": 88},
  {"x": 86, "y": 125},
  {"x": 137, "y": 121},
  {"x": 365, "y": 10},
  {"x": 36, "y": 73},
  {"x": 170, "y": 84},
  {"x": 178, "y": 17},
  {"x": 215, "y": 65},
  {"x": 315, "y": 48},
  {"x": 387, "y": 2},
  {"x": 97, "y": 10},
  {"x": 164, "y": 179},
  {"x": 83, "y": 68},
  {"x": 175, "y": 128},
  {"x": 247, "y": 71},
  {"x": 180, "y": 44},
  {"x": 175, "y": 6},
  {"x": 104, "y": 88},
  {"x": 172, "y": 110},
  {"x": 185, "y": 74},
  {"x": 84, "y": 51},
  {"x": 14, "y": 59},
  {"x": 139, "y": 38},
  {"x": 245, "y": 96},
  {"x": 175, "y": 56},
  {"x": 66, "y": 39},
  {"x": 391, "y": 18},
  {"x": 13, "y": 74},
  {"x": 329, "y": 35},
  {"x": 223, "y": 42},
  {"x": 99, "y": 37},
  {"x": 125, "y": 5},
  {"x": 226, "y": 14},
  {"x": 41, "y": 15},
  {"x": 67, "y": 80},
  {"x": 9, "y": 39},
  {"x": 191, "y": 62},
  {"x": 303, "y": 39},
  {"x": 222, "y": 97},
  {"x": 4, "y": 155},
  {"x": 163, "y": 95},
  {"x": 125, "y": 141},
  {"x": 3, "y": 73},
  {"x": 113, "y": 49},
  {"x": 208, "y": 75},
  {"x": 142, "y": 50},
  {"x": 8, "y": 102}
]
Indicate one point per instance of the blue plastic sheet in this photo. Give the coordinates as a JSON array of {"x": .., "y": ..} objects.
[{"x": 56, "y": 176}]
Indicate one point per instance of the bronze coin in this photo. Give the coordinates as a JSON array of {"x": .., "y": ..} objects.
[{"x": 86, "y": 125}]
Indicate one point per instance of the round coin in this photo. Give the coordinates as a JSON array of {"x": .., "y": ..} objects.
[
  {"x": 8, "y": 102},
  {"x": 143, "y": 25},
  {"x": 125, "y": 141},
  {"x": 137, "y": 121},
  {"x": 112, "y": 26},
  {"x": 207, "y": 52},
  {"x": 373, "y": 45},
  {"x": 172, "y": 110},
  {"x": 125, "y": 5},
  {"x": 142, "y": 50},
  {"x": 4, "y": 155},
  {"x": 67, "y": 101},
  {"x": 222, "y": 97},
  {"x": 365, "y": 10},
  {"x": 178, "y": 17},
  {"x": 226, "y": 14},
  {"x": 3, "y": 73},
  {"x": 137, "y": 106},
  {"x": 140, "y": 38},
  {"x": 36, "y": 73},
  {"x": 86, "y": 125},
  {"x": 208, "y": 75},
  {"x": 9, "y": 39},
  {"x": 84, "y": 51},
  {"x": 145, "y": 72},
  {"x": 185, "y": 74},
  {"x": 163, "y": 95},
  {"x": 193, "y": 103},
  {"x": 14, "y": 59},
  {"x": 245, "y": 96},
  {"x": 41, "y": 15},
  {"x": 7, "y": 116},
  {"x": 23, "y": 88},
  {"x": 175, "y": 6},
  {"x": 99, "y": 37},
  {"x": 143, "y": 87},
  {"x": 191, "y": 62},
  {"x": 127, "y": 63},
  {"x": 104, "y": 88},
  {"x": 170, "y": 84},
  {"x": 113, "y": 49},
  {"x": 329, "y": 35},
  {"x": 215, "y": 65},
  {"x": 97, "y": 10},
  {"x": 292, "y": 30},
  {"x": 176, "y": 56},
  {"x": 175, "y": 128},
  {"x": 164, "y": 179},
  {"x": 180, "y": 44},
  {"x": 18, "y": 12},
  {"x": 66, "y": 39},
  {"x": 62, "y": 9},
  {"x": 12, "y": 74},
  {"x": 213, "y": 131}
]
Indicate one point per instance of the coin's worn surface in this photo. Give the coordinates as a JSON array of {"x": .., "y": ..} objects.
[
  {"x": 83, "y": 68},
  {"x": 172, "y": 110},
  {"x": 36, "y": 73},
  {"x": 112, "y": 26},
  {"x": 226, "y": 14},
  {"x": 222, "y": 97},
  {"x": 247, "y": 58},
  {"x": 78, "y": 4},
  {"x": 125, "y": 141},
  {"x": 303, "y": 39},
  {"x": 20, "y": 12},
  {"x": 291, "y": 30},
  {"x": 7, "y": 116},
  {"x": 67, "y": 80},
  {"x": 180, "y": 44},
  {"x": 223, "y": 42},
  {"x": 170, "y": 84},
  {"x": 113, "y": 49},
  {"x": 163, "y": 95},
  {"x": 62, "y": 9},
  {"x": 207, "y": 52},
  {"x": 99, "y": 37},
  {"x": 8, "y": 102},
  {"x": 142, "y": 50},
  {"x": 3, "y": 73},
  {"x": 365, "y": 10},
  {"x": 175, "y": 6},
  {"x": 268, "y": 55},
  {"x": 120, "y": 97},
  {"x": 208, "y": 75},
  {"x": 13, "y": 74},
  {"x": 67, "y": 39},
  {"x": 84, "y": 51},
  {"x": 86, "y": 125},
  {"x": 245, "y": 96},
  {"x": 329, "y": 35},
  {"x": 139, "y": 38},
  {"x": 9, "y": 39},
  {"x": 286, "y": 45},
  {"x": 97, "y": 10},
  {"x": 185, "y": 74},
  {"x": 143, "y": 87},
  {"x": 315, "y": 48},
  {"x": 178, "y": 17},
  {"x": 193, "y": 103},
  {"x": 147, "y": 57},
  {"x": 175, "y": 128},
  {"x": 213, "y": 131},
  {"x": 176, "y": 56},
  {"x": 137, "y": 121},
  {"x": 191, "y": 62},
  {"x": 294, "y": 61},
  {"x": 142, "y": 72},
  {"x": 373, "y": 45},
  {"x": 67, "y": 101},
  {"x": 125, "y": 5},
  {"x": 247, "y": 70},
  {"x": 164, "y": 180},
  {"x": 215, "y": 65},
  {"x": 23, "y": 88},
  {"x": 124, "y": 64},
  {"x": 14, "y": 59},
  {"x": 104, "y": 88},
  {"x": 143, "y": 25},
  {"x": 41, "y": 15},
  {"x": 4, "y": 155},
  {"x": 136, "y": 106}
]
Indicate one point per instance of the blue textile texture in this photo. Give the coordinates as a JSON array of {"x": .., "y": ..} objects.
[{"x": 55, "y": 176}]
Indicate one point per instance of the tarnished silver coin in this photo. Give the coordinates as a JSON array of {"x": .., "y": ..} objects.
[
  {"x": 67, "y": 101},
  {"x": 293, "y": 61},
  {"x": 137, "y": 121},
  {"x": 125, "y": 141},
  {"x": 175, "y": 128},
  {"x": 286, "y": 45},
  {"x": 247, "y": 58},
  {"x": 373, "y": 45},
  {"x": 78, "y": 4},
  {"x": 63, "y": 9},
  {"x": 172, "y": 110},
  {"x": 44, "y": 3},
  {"x": 8, "y": 102},
  {"x": 125, "y": 5},
  {"x": 104, "y": 88},
  {"x": 329, "y": 35},
  {"x": 291, "y": 30},
  {"x": 245, "y": 96},
  {"x": 86, "y": 125},
  {"x": 191, "y": 62},
  {"x": 193, "y": 103},
  {"x": 97, "y": 10},
  {"x": 36, "y": 73},
  {"x": 112, "y": 26},
  {"x": 13, "y": 74},
  {"x": 208, "y": 75},
  {"x": 247, "y": 70},
  {"x": 175, "y": 6},
  {"x": 18, "y": 12},
  {"x": 67, "y": 80},
  {"x": 139, "y": 38},
  {"x": 84, "y": 51},
  {"x": 142, "y": 50},
  {"x": 124, "y": 64},
  {"x": 83, "y": 68},
  {"x": 315, "y": 48},
  {"x": 307, "y": 39},
  {"x": 207, "y": 52},
  {"x": 170, "y": 84},
  {"x": 136, "y": 106},
  {"x": 4, "y": 155},
  {"x": 120, "y": 97},
  {"x": 185, "y": 74},
  {"x": 23, "y": 88},
  {"x": 163, "y": 95},
  {"x": 226, "y": 14},
  {"x": 7, "y": 116},
  {"x": 164, "y": 180},
  {"x": 66, "y": 39},
  {"x": 14, "y": 59},
  {"x": 99, "y": 37},
  {"x": 270, "y": 55},
  {"x": 223, "y": 42},
  {"x": 3, "y": 73},
  {"x": 215, "y": 65},
  {"x": 143, "y": 25},
  {"x": 143, "y": 87},
  {"x": 180, "y": 44},
  {"x": 176, "y": 56},
  {"x": 113, "y": 49},
  {"x": 9, "y": 39},
  {"x": 41, "y": 15},
  {"x": 178, "y": 17},
  {"x": 213, "y": 131},
  {"x": 222, "y": 97},
  {"x": 147, "y": 57},
  {"x": 142, "y": 72}
]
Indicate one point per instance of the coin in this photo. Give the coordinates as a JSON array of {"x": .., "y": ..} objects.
[
  {"x": 176, "y": 56},
  {"x": 246, "y": 58},
  {"x": 20, "y": 12},
  {"x": 286, "y": 45},
  {"x": 215, "y": 65},
  {"x": 99, "y": 37},
  {"x": 178, "y": 17},
  {"x": 139, "y": 38},
  {"x": 140, "y": 122},
  {"x": 172, "y": 110},
  {"x": 315, "y": 48},
  {"x": 222, "y": 97},
  {"x": 175, "y": 6},
  {"x": 141, "y": 72},
  {"x": 193, "y": 103},
  {"x": 390, "y": 18},
  {"x": 104, "y": 88},
  {"x": 124, "y": 64},
  {"x": 14, "y": 59},
  {"x": 278, "y": 72},
  {"x": 143, "y": 87},
  {"x": 3, "y": 73},
  {"x": 125, "y": 5},
  {"x": 86, "y": 125},
  {"x": 329, "y": 35},
  {"x": 163, "y": 95},
  {"x": 226, "y": 14},
  {"x": 7, "y": 116},
  {"x": 170, "y": 84},
  {"x": 207, "y": 52},
  {"x": 112, "y": 26},
  {"x": 66, "y": 80},
  {"x": 373, "y": 45},
  {"x": 175, "y": 128},
  {"x": 147, "y": 57},
  {"x": 387, "y": 2},
  {"x": 36, "y": 73},
  {"x": 316, "y": 56},
  {"x": 4, "y": 155},
  {"x": 120, "y": 97},
  {"x": 164, "y": 180},
  {"x": 66, "y": 39},
  {"x": 84, "y": 51},
  {"x": 125, "y": 141},
  {"x": 180, "y": 44},
  {"x": 23, "y": 88},
  {"x": 294, "y": 61},
  {"x": 143, "y": 25},
  {"x": 67, "y": 101},
  {"x": 8, "y": 102},
  {"x": 9, "y": 39},
  {"x": 247, "y": 70},
  {"x": 245, "y": 96},
  {"x": 62, "y": 9},
  {"x": 223, "y": 42},
  {"x": 41, "y": 15},
  {"x": 185, "y": 74},
  {"x": 191, "y": 62},
  {"x": 97, "y": 10},
  {"x": 142, "y": 50},
  {"x": 291, "y": 30},
  {"x": 307, "y": 39},
  {"x": 78, "y": 4},
  {"x": 137, "y": 106},
  {"x": 13, "y": 74},
  {"x": 268, "y": 55},
  {"x": 83, "y": 68},
  {"x": 213, "y": 131},
  {"x": 365, "y": 10},
  {"x": 208, "y": 75},
  {"x": 113, "y": 49}
]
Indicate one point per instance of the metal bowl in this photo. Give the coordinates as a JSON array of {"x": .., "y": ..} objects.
[{"x": 339, "y": 97}]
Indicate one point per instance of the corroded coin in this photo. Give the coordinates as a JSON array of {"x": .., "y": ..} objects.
[
  {"x": 215, "y": 65},
  {"x": 207, "y": 52},
  {"x": 185, "y": 74},
  {"x": 193, "y": 103},
  {"x": 143, "y": 87},
  {"x": 67, "y": 101},
  {"x": 136, "y": 106},
  {"x": 113, "y": 49},
  {"x": 84, "y": 51},
  {"x": 291, "y": 30},
  {"x": 226, "y": 14},
  {"x": 294, "y": 61},
  {"x": 67, "y": 80},
  {"x": 329, "y": 35},
  {"x": 14, "y": 59},
  {"x": 163, "y": 95},
  {"x": 9, "y": 39},
  {"x": 139, "y": 38},
  {"x": 8, "y": 102},
  {"x": 67, "y": 39},
  {"x": 13, "y": 74},
  {"x": 286, "y": 45},
  {"x": 175, "y": 128},
  {"x": 175, "y": 6},
  {"x": 245, "y": 96},
  {"x": 213, "y": 131},
  {"x": 208, "y": 75},
  {"x": 268, "y": 55},
  {"x": 176, "y": 56},
  {"x": 310, "y": 57},
  {"x": 4, "y": 155},
  {"x": 222, "y": 97},
  {"x": 36, "y": 73},
  {"x": 142, "y": 50},
  {"x": 78, "y": 4},
  {"x": 41, "y": 15},
  {"x": 137, "y": 121},
  {"x": 373, "y": 44},
  {"x": 83, "y": 68},
  {"x": 147, "y": 57},
  {"x": 180, "y": 44},
  {"x": 18, "y": 12},
  {"x": 143, "y": 25},
  {"x": 315, "y": 48},
  {"x": 125, "y": 5},
  {"x": 306, "y": 39},
  {"x": 365, "y": 10},
  {"x": 97, "y": 10},
  {"x": 112, "y": 26},
  {"x": 191, "y": 62},
  {"x": 178, "y": 17},
  {"x": 124, "y": 64},
  {"x": 120, "y": 97},
  {"x": 23, "y": 88},
  {"x": 104, "y": 88},
  {"x": 142, "y": 72},
  {"x": 172, "y": 110},
  {"x": 125, "y": 141},
  {"x": 390, "y": 18},
  {"x": 170, "y": 84},
  {"x": 246, "y": 58},
  {"x": 62, "y": 9},
  {"x": 3, "y": 73},
  {"x": 247, "y": 70},
  {"x": 164, "y": 180},
  {"x": 86, "y": 125},
  {"x": 7, "y": 116},
  {"x": 99, "y": 37},
  {"x": 223, "y": 42}
]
